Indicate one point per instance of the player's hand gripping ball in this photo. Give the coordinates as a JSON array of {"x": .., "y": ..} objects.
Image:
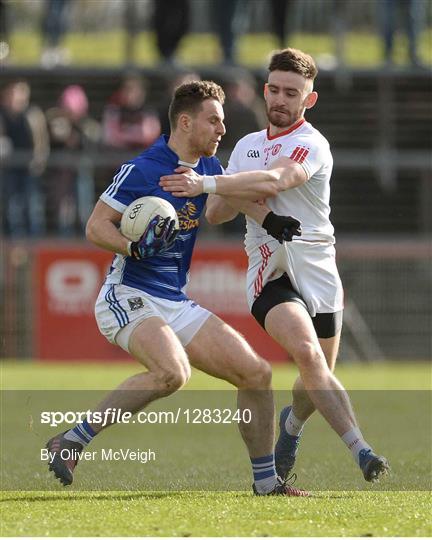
[{"x": 152, "y": 224}]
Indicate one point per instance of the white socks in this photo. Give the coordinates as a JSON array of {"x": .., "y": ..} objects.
[
  {"x": 352, "y": 438},
  {"x": 355, "y": 442},
  {"x": 293, "y": 425}
]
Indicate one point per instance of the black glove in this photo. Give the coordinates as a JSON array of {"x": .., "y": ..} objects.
[
  {"x": 283, "y": 228},
  {"x": 155, "y": 239}
]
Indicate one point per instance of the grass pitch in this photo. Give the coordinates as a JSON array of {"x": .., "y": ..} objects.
[
  {"x": 399, "y": 507},
  {"x": 215, "y": 514},
  {"x": 106, "y": 48}
]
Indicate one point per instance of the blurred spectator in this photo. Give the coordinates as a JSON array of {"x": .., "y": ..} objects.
[
  {"x": 54, "y": 26},
  {"x": 128, "y": 122},
  {"x": 279, "y": 10},
  {"x": 179, "y": 77},
  {"x": 339, "y": 29},
  {"x": 70, "y": 180},
  {"x": 130, "y": 25},
  {"x": 411, "y": 14},
  {"x": 4, "y": 32},
  {"x": 244, "y": 110},
  {"x": 171, "y": 23},
  {"x": 24, "y": 151},
  {"x": 227, "y": 27}
]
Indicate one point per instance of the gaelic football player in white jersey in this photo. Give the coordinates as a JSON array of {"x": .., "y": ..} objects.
[{"x": 293, "y": 288}]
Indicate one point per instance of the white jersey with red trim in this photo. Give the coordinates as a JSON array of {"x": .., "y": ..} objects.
[{"x": 310, "y": 202}]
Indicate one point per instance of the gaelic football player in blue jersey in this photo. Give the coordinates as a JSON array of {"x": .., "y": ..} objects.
[{"x": 143, "y": 306}]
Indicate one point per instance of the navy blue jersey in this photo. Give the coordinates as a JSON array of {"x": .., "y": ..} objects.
[{"x": 164, "y": 275}]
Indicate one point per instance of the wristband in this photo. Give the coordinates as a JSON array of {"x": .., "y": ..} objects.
[
  {"x": 209, "y": 184},
  {"x": 129, "y": 249}
]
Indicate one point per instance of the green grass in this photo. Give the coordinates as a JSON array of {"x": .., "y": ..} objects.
[
  {"x": 201, "y": 484},
  {"x": 358, "y": 376},
  {"x": 108, "y": 48},
  {"x": 215, "y": 514}
]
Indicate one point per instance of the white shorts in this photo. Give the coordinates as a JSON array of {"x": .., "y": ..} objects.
[
  {"x": 310, "y": 266},
  {"x": 120, "y": 309}
]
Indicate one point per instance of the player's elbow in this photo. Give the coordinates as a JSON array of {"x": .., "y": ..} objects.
[
  {"x": 219, "y": 213},
  {"x": 90, "y": 230},
  {"x": 213, "y": 217}
]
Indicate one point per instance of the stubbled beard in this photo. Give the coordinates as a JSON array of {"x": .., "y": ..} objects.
[
  {"x": 200, "y": 150},
  {"x": 207, "y": 152},
  {"x": 288, "y": 120}
]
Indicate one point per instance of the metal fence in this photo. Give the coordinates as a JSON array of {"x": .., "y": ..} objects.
[{"x": 388, "y": 299}]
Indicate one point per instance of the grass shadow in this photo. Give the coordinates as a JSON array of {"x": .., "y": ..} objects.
[{"x": 152, "y": 495}]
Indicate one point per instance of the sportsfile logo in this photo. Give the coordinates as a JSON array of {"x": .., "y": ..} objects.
[{"x": 178, "y": 415}]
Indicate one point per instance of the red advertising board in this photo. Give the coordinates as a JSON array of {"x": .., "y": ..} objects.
[{"x": 67, "y": 282}]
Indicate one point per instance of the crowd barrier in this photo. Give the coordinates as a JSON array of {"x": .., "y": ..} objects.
[
  {"x": 66, "y": 280},
  {"x": 49, "y": 290}
]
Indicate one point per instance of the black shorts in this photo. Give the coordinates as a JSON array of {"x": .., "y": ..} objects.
[{"x": 280, "y": 291}]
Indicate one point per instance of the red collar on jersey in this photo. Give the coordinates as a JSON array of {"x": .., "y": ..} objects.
[{"x": 289, "y": 130}]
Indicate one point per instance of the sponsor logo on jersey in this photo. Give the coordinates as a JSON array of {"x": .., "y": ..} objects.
[
  {"x": 272, "y": 150},
  {"x": 188, "y": 216},
  {"x": 253, "y": 153},
  {"x": 276, "y": 149},
  {"x": 300, "y": 153}
]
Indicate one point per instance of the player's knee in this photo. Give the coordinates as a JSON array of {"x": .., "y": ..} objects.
[
  {"x": 173, "y": 380},
  {"x": 265, "y": 374},
  {"x": 174, "y": 377},
  {"x": 259, "y": 376},
  {"x": 308, "y": 355}
]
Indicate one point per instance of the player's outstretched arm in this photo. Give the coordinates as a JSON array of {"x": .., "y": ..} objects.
[
  {"x": 102, "y": 229},
  {"x": 251, "y": 185}
]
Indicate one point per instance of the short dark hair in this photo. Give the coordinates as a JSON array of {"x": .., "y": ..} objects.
[
  {"x": 188, "y": 98},
  {"x": 294, "y": 60}
]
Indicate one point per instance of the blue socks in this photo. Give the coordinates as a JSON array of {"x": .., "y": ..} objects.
[
  {"x": 264, "y": 473},
  {"x": 81, "y": 433}
]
